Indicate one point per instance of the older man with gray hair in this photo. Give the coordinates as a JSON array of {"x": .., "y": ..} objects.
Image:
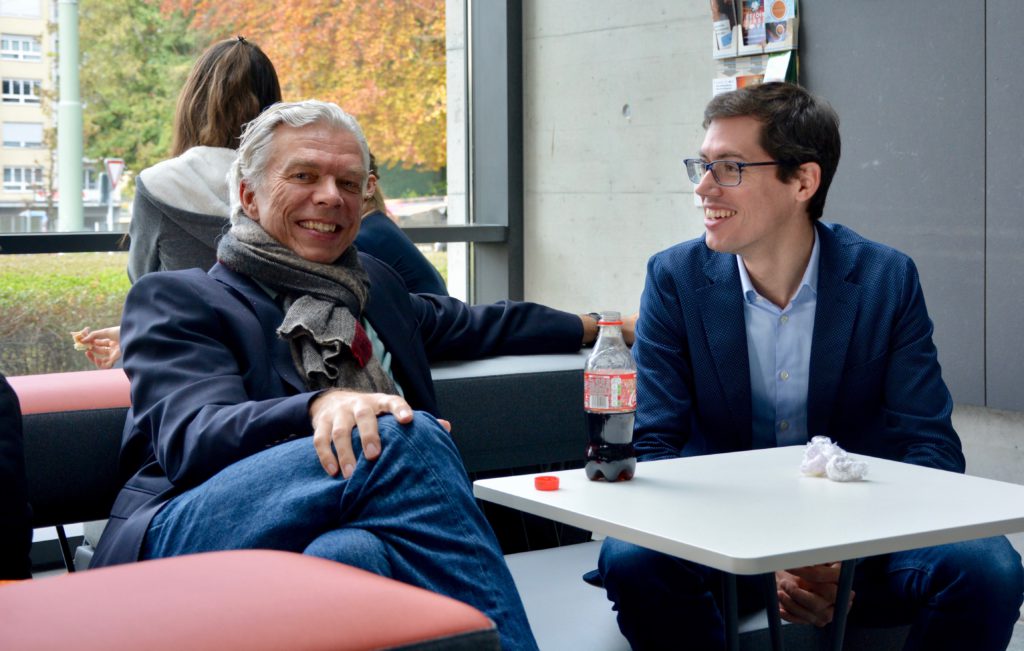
[{"x": 273, "y": 397}]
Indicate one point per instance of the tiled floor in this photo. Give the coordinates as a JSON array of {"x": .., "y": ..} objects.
[{"x": 1017, "y": 641}]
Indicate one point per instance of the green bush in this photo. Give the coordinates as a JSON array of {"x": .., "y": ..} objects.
[{"x": 45, "y": 297}]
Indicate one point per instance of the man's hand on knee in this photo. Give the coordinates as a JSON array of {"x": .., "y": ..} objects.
[{"x": 335, "y": 412}]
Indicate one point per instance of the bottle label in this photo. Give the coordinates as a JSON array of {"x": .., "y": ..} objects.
[{"x": 609, "y": 392}]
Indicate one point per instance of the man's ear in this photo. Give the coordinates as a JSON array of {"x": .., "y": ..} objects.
[
  {"x": 247, "y": 197},
  {"x": 808, "y": 179},
  {"x": 371, "y": 187}
]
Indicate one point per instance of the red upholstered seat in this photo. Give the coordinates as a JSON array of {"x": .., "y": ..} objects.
[
  {"x": 251, "y": 600},
  {"x": 56, "y": 392}
]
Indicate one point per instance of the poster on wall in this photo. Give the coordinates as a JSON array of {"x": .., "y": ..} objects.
[
  {"x": 766, "y": 26},
  {"x": 726, "y": 28}
]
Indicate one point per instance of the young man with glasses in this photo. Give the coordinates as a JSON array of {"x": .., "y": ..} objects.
[{"x": 775, "y": 327}]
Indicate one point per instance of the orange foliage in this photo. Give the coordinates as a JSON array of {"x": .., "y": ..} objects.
[{"x": 381, "y": 60}]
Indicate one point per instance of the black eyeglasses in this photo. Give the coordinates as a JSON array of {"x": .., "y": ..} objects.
[{"x": 725, "y": 172}]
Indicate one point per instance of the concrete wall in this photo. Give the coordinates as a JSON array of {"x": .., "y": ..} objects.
[{"x": 612, "y": 104}]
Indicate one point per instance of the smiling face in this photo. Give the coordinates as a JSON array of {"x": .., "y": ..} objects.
[
  {"x": 762, "y": 216},
  {"x": 311, "y": 194}
]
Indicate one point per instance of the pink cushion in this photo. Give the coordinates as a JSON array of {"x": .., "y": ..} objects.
[
  {"x": 72, "y": 391},
  {"x": 255, "y": 600}
]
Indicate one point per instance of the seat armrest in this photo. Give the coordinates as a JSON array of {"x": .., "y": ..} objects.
[{"x": 256, "y": 600}]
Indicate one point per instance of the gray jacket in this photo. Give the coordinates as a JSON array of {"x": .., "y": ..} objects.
[{"x": 181, "y": 208}]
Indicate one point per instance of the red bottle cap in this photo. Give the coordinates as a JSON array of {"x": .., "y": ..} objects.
[{"x": 545, "y": 483}]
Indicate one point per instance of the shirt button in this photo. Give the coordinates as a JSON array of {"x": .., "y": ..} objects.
[
  {"x": 784, "y": 425},
  {"x": 784, "y": 375},
  {"x": 783, "y": 319}
]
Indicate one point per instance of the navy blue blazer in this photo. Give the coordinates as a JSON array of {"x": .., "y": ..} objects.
[
  {"x": 875, "y": 383},
  {"x": 211, "y": 383},
  {"x": 384, "y": 240}
]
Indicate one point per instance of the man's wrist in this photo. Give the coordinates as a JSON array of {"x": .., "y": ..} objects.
[{"x": 590, "y": 331}]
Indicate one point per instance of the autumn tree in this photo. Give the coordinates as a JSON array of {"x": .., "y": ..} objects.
[
  {"x": 381, "y": 60},
  {"x": 135, "y": 58}
]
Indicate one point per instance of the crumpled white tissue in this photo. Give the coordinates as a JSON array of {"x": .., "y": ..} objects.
[{"x": 823, "y": 458}]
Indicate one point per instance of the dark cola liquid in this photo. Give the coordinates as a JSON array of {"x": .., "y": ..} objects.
[{"x": 610, "y": 454}]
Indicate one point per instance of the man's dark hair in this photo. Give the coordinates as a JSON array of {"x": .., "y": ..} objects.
[{"x": 797, "y": 127}]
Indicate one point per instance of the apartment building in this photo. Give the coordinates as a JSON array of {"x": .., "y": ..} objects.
[
  {"x": 25, "y": 70},
  {"x": 29, "y": 195}
]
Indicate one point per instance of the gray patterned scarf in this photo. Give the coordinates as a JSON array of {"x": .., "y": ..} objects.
[{"x": 323, "y": 304}]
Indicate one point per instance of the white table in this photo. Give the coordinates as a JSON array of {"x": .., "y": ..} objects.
[{"x": 753, "y": 512}]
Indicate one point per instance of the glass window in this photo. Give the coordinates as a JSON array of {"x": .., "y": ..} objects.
[
  {"x": 434, "y": 188},
  {"x": 22, "y": 179},
  {"x": 45, "y": 297},
  {"x": 21, "y": 91},
  {"x": 16, "y": 47},
  {"x": 27, "y": 135}
]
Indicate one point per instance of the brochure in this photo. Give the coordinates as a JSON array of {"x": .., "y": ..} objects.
[
  {"x": 780, "y": 25},
  {"x": 764, "y": 26},
  {"x": 726, "y": 29},
  {"x": 748, "y": 71}
]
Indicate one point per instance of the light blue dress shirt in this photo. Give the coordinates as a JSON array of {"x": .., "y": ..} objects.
[{"x": 779, "y": 349}]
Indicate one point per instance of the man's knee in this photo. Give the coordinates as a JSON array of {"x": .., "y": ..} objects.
[
  {"x": 424, "y": 432},
  {"x": 988, "y": 569},
  {"x": 624, "y": 566},
  {"x": 997, "y": 569},
  {"x": 621, "y": 560},
  {"x": 355, "y": 547}
]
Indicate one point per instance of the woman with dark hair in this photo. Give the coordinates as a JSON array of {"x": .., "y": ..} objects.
[{"x": 181, "y": 204}]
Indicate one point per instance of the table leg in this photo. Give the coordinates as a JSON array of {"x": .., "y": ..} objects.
[
  {"x": 732, "y": 620},
  {"x": 771, "y": 606},
  {"x": 842, "y": 604}
]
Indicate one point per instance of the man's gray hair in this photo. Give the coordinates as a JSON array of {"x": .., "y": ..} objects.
[{"x": 254, "y": 147}]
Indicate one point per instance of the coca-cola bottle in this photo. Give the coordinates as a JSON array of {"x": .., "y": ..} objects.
[{"x": 609, "y": 402}]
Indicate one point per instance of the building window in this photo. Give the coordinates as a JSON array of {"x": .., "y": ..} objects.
[
  {"x": 22, "y": 91},
  {"x": 15, "y": 47},
  {"x": 90, "y": 180},
  {"x": 21, "y": 8},
  {"x": 23, "y": 135},
  {"x": 22, "y": 179}
]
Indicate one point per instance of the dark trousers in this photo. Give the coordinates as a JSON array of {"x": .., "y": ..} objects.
[{"x": 958, "y": 596}]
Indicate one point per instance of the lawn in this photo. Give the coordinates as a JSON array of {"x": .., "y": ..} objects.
[{"x": 44, "y": 297}]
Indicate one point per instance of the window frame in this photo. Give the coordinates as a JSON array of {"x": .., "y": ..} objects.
[
  {"x": 22, "y": 83},
  {"x": 19, "y": 53},
  {"x": 26, "y": 171},
  {"x": 494, "y": 95}
]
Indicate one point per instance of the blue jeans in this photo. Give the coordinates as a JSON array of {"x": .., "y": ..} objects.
[
  {"x": 957, "y": 596},
  {"x": 409, "y": 515}
]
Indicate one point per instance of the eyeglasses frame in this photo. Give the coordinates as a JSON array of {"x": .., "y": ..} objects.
[{"x": 709, "y": 167}]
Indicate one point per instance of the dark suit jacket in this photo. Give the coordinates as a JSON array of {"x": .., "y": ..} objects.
[
  {"x": 384, "y": 240},
  {"x": 211, "y": 382},
  {"x": 875, "y": 383}
]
